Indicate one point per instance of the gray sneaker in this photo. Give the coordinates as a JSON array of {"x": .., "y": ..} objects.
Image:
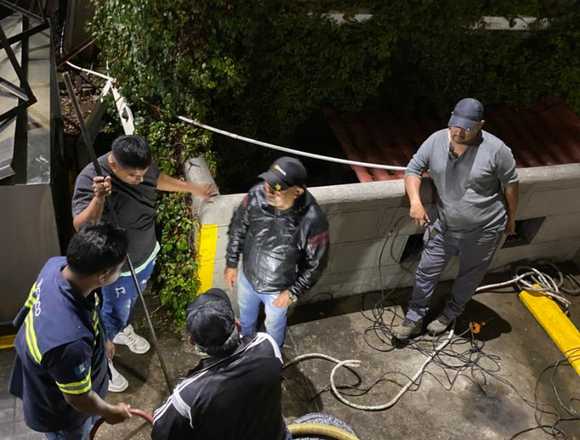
[
  {"x": 117, "y": 383},
  {"x": 439, "y": 325},
  {"x": 408, "y": 329}
]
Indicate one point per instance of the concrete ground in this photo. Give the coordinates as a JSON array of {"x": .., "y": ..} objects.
[{"x": 478, "y": 405}]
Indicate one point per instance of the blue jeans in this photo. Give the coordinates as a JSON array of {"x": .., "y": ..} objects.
[
  {"x": 119, "y": 299},
  {"x": 80, "y": 433},
  {"x": 249, "y": 301}
]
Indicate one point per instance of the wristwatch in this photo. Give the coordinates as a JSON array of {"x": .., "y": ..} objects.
[{"x": 293, "y": 298}]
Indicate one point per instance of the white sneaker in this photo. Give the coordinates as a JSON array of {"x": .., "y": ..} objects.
[
  {"x": 118, "y": 383},
  {"x": 137, "y": 344}
]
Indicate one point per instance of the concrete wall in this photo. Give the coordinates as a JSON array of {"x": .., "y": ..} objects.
[
  {"x": 28, "y": 238},
  {"x": 362, "y": 214}
]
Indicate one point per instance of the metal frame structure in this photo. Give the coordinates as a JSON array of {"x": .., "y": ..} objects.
[
  {"x": 34, "y": 185},
  {"x": 22, "y": 91}
]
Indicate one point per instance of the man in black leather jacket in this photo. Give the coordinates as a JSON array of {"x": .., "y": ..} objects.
[{"x": 282, "y": 235}]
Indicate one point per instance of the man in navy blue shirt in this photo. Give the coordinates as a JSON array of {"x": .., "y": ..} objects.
[{"x": 61, "y": 372}]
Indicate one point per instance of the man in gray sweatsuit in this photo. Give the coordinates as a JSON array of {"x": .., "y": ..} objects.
[{"x": 476, "y": 180}]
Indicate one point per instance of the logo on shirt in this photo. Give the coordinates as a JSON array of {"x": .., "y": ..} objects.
[
  {"x": 37, "y": 308},
  {"x": 36, "y": 287},
  {"x": 34, "y": 293},
  {"x": 120, "y": 291},
  {"x": 81, "y": 370}
]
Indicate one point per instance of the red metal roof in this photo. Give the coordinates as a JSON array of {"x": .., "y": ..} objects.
[{"x": 546, "y": 134}]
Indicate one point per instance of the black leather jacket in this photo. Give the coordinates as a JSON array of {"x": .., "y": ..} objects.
[{"x": 281, "y": 249}]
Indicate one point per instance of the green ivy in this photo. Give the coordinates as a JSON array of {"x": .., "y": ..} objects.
[
  {"x": 176, "y": 281},
  {"x": 264, "y": 67}
]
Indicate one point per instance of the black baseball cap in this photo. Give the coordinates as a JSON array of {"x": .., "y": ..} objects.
[
  {"x": 467, "y": 114},
  {"x": 211, "y": 319},
  {"x": 284, "y": 173}
]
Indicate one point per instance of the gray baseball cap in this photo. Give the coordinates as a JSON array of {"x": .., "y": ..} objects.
[{"x": 467, "y": 114}]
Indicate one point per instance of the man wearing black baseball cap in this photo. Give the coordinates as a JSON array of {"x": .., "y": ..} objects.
[
  {"x": 235, "y": 393},
  {"x": 284, "y": 173},
  {"x": 281, "y": 234},
  {"x": 474, "y": 173}
]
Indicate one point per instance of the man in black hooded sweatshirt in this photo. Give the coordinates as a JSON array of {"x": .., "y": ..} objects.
[{"x": 235, "y": 393}]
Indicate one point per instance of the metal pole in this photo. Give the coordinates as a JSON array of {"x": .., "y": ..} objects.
[
  {"x": 74, "y": 52},
  {"x": 99, "y": 171}
]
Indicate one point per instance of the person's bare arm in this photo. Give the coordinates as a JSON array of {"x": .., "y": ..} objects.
[
  {"x": 94, "y": 211},
  {"x": 511, "y": 193},
  {"x": 505, "y": 165},
  {"x": 171, "y": 184},
  {"x": 415, "y": 168},
  {"x": 417, "y": 211},
  {"x": 91, "y": 403},
  {"x": 231, "y": 276}
]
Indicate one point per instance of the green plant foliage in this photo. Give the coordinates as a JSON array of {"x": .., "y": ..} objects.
[
  {"x": 176, "y": 281},
  {"x": 444, "y": 54},
  {"x": 264, "y": 67}
]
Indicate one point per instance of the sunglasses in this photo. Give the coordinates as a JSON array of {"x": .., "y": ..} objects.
[
  {"x": 467, "y": 130},
  {"x": 271, "y": 190}
]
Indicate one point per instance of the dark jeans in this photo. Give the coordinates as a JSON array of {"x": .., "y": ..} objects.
[
  {"x": 80, "y": 433},
  {"x": 475, "y": 253}
]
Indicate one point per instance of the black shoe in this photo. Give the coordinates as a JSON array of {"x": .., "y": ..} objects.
[
  {"x": 439, "y": 325},
  {"x": 408, "y": 329}
]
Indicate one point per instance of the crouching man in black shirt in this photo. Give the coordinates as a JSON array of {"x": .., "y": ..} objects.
[{"x": 235, "y": 393}]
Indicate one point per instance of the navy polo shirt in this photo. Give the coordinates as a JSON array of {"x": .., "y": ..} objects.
[{"x": 60, "y": 351}]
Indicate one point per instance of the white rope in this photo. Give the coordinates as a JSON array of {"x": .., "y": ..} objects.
[
  {"x": 354, "y": 363},
  {"x": 90, "y": 72},
  {"x": 290, "y": 150},
  {"x": 256, "y": 142},
  {"x": 123, "y": 109}
]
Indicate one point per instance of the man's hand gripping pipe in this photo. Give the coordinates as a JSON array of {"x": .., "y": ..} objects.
[{"x": 99, "y": 171}]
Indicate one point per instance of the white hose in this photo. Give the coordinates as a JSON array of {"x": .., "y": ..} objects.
[
  {"x": 354, "y": 363},
  {"x": 534, "y": 280}
]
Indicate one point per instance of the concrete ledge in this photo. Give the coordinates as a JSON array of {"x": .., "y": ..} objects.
[{"x": 362, "y": 214}]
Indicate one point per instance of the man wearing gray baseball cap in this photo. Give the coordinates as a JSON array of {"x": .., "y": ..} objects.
[{"x": 474, "y": 173}]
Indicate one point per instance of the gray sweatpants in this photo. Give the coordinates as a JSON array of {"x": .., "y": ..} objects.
[{"x": 475, "y": 253}]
